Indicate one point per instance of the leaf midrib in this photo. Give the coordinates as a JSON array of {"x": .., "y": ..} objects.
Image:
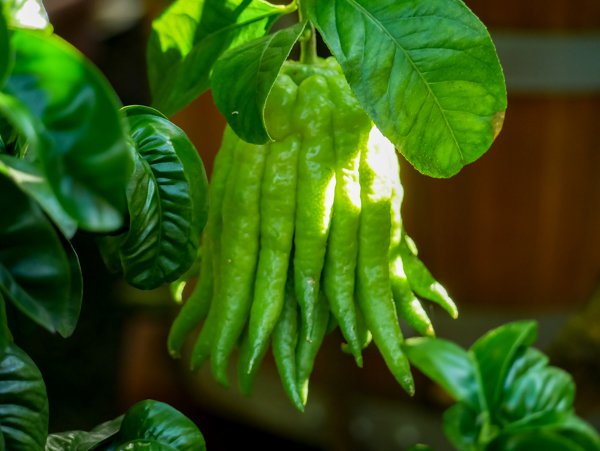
[
  {"x": 156, "y": 257},
  {"x": 374, "y": 20},
  {"x": 161, "y": 219}
]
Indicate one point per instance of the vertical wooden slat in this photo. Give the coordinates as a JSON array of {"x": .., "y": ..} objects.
[
  {"x": 545, "y": 14},
  {"x": 520, "y": 227}
]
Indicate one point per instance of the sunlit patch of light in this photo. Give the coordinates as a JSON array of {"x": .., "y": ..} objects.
[
  {"x": 380, "y": 152},
  {"x": 329, "y": 196},
  {"x": 32, "y": 15}
]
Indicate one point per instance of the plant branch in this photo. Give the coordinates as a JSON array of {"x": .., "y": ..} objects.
[{"x": 308, "y": 41}]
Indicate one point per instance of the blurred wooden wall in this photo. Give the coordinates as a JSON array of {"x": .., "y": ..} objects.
[{"x": 540, "y": 15}]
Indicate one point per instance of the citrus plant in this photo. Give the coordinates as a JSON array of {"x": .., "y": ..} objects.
[
  {"x": 507, "y": 395},
  {"x": 303, "y": 231}
]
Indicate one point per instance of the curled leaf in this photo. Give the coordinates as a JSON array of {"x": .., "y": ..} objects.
[
  {"x": 167, "y": 203},
  {"x": 255, "y": 66},
  {"x": 23, "y": 402}
]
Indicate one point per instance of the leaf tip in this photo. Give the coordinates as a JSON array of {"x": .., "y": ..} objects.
[
  {"x": 408, "y": 384},
  {"x": 174, "y": 353}
]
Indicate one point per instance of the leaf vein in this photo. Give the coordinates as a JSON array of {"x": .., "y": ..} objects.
[{"x": 368, "y": 15}]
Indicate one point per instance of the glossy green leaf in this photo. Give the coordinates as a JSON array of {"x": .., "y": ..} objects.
[
  {"x": 580, "y": 432},
  {"x": 19, "y": 127},
  {"x": 23, "y": 402},
  {"x": 526, "y": 360},
  {"x": 535, "y": 394},
  {"x": 83, "y": 440},
  {"x": 448, "y": 365},
  {"x": 28, "y": 14},
  {"x": 148, "y": 426},
  {"x": 82, "y": 148},
  {"x": 495, "y": 352},
  {"x": 189, "y": 37},
  {"x": 521, "y": 403},
  {"x": 167, "y": 197},
  {"x": 420, "y": 279},
  {"x": 29, "y": 179},
  {"x": 39, "y": 272},
  {"x": 158, "y": 422},
  {"x": 538, "y": 439},
  {"x": 6, "y": 50},
  {"x": 426, "y": 72},
  {"x": 462, "y": 427},
  {"x": 540, "y": 397},
  {"x": 254, "y": 66}
]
